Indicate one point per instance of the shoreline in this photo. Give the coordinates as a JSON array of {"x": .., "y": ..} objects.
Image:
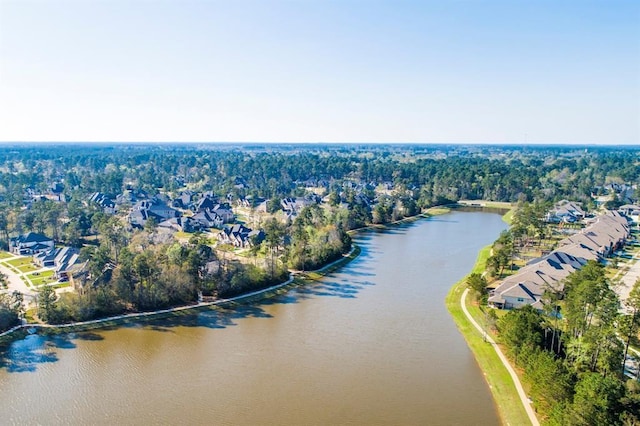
[
  {"x": 220, "y": 303},
  {"x": 503, "y": 389},
  {"x": 294, "y": 280}
]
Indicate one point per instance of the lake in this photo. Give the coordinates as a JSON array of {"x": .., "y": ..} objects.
[{"x": 370, "y": 344}]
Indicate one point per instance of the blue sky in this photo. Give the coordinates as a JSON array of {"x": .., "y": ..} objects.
[{"x": 513, "y": 71}]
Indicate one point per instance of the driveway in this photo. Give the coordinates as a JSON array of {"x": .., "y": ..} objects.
[
  {"x": 628, "y": 280},
  {"x": 16, "y": 283}
]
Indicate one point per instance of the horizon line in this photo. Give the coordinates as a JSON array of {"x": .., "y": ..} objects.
[{"x": 166, "y": 142}]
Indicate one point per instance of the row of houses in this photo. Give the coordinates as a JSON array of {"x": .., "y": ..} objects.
[{"x": 607, "y": 233}]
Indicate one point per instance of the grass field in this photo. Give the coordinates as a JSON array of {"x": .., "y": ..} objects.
[
  {"x": 22, "y": 262},
  {"x": 5, "y": 254},
  {"x": 44, "y": 277},
  {"x": 508, "y": 216},
  {"x": 61, "y": 285},
  {"x": 434, "y": 211},
  {"x": 502, "y": 388}
]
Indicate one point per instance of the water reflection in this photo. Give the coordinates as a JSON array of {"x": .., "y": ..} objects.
[{"x": 370, "y": 344}]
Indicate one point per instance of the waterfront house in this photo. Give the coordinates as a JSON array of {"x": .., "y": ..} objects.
[{"x": 606, "y": 234}]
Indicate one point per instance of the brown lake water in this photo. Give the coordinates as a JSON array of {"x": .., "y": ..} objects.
[{"x": 369, "y": 345}]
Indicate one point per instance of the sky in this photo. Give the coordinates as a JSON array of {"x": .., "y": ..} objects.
[{"x": 457, "y": 71}]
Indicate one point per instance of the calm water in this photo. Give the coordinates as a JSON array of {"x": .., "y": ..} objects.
[{"x": 372, "y": 344}]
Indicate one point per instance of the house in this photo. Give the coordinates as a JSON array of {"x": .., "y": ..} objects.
[
  {"x": 154, "y": 208},
  {"x": 606, "y": 234},
  {"x": 207, "y": 202},
  {"x": 631, "y": 211},
  {"x": 224, "y": 211},
  {"x": 65, "y": 262},
  {"x": 107, "y": 205},
  {"x": 30, "y": 243},
  {"x": 184, "y": 200},
  {"x": 208, "y": 219},
  {"x": 293, "y": 206},
  {"x": 180, "y": 224},
  {"x": 566, "y": 211},
  {"x": 243, "y": 202},
  {"x": 63, "y": 259},
  {"x": 240, "y": 236}
]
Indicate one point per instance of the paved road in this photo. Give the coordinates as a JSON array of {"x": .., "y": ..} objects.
[
  {"x": 516, "y": 381},
  {"x": 16, "y": 283},
  {"x": 628, "y": 280}
]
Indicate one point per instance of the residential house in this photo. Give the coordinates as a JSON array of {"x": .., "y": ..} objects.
[
  {"x": 30, "y": 243},
  {"x": 606, "y": 234},
  {"x": 240, "y": 236},
  {"x": 63, "y": 259},
  {"x": 631, "y": 211},
  {"x": 208, "y": 219},
  {"x": 293, "y": 206},
  {"x": 207, "y": 202},
  {"x": 105, "y": 202},
  {"x": 153, "y": 208},
  {"x": 180, "y": 224},
  {"x": 224, "y": 211},
  {"x": 184, "y": 201},
  {"x": 566, "y": 211}
]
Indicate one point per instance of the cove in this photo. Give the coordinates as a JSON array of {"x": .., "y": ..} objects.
[{"x": 370, "y": 344}]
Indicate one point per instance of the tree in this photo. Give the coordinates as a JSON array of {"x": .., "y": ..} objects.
[
  {"x": 521, "y": 330},
  {"x": 629, "y": 324},
  {"x": 274, "y": 233},
  {"x": 477, "y": 283},
  {"x": 597, "y": 400},
  {"x": 11, "y": 309},
  {"x": 591, "y": 308},
  {"x": 47, "y": 304}
]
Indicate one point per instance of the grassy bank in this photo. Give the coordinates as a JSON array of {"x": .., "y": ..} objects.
[{"x": 502, "y": 388}]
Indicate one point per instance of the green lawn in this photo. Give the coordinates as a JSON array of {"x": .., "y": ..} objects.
[
  {"x": 502, "y": 388},
  {"x": 5, "y": 254},
  {"x": 44, "y": 277},
  {"x": 181, "y": 234},
  {"x": 435, "y": 211},
  {"x": 28, "y": 268},
  {"x": 508, "y": 216},
  {"x": 61, "y": 285},
  {"x": 21, "y": 262}
]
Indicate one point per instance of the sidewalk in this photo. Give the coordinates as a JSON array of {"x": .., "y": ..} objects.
[
  {"x": 628, "y": 280},
  {"x": 516, "y": 381},
  {"x": 16, "y": 284}
]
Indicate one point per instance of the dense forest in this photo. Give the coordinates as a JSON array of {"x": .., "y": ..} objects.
[{"x": 429, "y": 174}]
